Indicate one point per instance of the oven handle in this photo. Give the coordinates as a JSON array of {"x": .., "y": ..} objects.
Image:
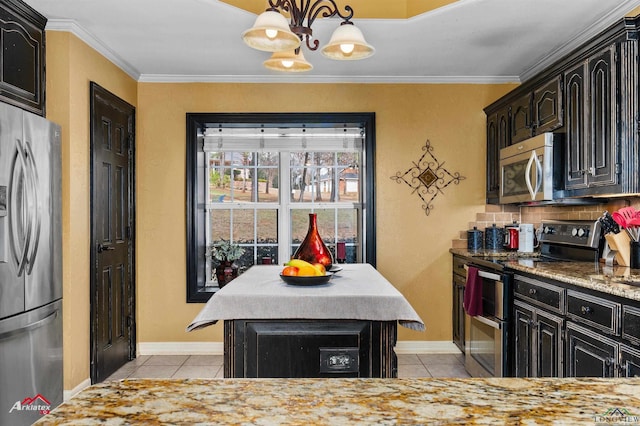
[
  {"x": 487, "y": 321},
  {"x": 487, "y": 275}
]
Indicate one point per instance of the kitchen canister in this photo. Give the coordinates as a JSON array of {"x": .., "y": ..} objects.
[
  {"x": 474, "y": 239},
  {"x": 493, "y": 238}
]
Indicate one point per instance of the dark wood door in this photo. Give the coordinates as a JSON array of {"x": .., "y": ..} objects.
[
  {"x": 523, "y": 338},
  {"x": 547, "y": 106},
  {"x": 548, "y": 345},
  {"x": 458, "y": 312},
  {"x": 521, "y": 121},
  {"x": 629, "y": 361},
  {"x": 590, "y": 354},
  {"x": 112, "y": 284},
  {"x": 602, "y": 148},
  {"x": 575, "y": 126},
  {"x": 22, "y": 56},
  {"x": 498, "y": 137}
]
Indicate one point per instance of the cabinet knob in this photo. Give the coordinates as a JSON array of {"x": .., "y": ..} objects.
[{"x": 586, "y": 310}]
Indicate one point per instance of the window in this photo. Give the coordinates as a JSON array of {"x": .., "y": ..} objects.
[{"x": 252, "y": 179}]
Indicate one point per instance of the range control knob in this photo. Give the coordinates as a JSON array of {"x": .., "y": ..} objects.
[
  {"x": 548, "y": 230},
  {"x": 574, "y": 232},
  {"x": 583, "y": 232}
]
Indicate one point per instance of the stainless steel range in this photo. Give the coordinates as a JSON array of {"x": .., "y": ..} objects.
[
  {"x": 574, "y": 240},
  {"x": 488, "y": 336}
]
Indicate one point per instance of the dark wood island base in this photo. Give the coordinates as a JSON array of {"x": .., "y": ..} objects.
[{"x": 309, "y": 348}]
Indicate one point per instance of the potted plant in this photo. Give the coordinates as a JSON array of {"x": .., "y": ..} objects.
[{"x": 225, "y": 253}]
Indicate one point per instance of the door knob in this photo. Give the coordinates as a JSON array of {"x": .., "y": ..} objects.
[{"x": 102, "y": 248}]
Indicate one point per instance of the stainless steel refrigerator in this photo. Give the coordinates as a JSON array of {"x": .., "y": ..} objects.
[{"x": 31, "y": 379}]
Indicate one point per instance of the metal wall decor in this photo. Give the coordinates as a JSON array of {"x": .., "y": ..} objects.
[{"x": 428, "y": 177}]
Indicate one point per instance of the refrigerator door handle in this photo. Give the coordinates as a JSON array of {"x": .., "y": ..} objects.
[
  {"x": 34, "y": 207},
  {"x": 44, "y": 321},
  {"x": 18, "y": 217}
]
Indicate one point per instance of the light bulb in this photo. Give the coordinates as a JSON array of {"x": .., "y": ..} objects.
[
  {"x": 271, "y": 33},
  {"x": 347, "y": 48},
  {"x": 287, "y": 64}
]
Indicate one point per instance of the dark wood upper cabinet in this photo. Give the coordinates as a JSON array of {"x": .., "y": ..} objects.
[
  {"x": 497, "y": 138},
  {"x": 524, "y": 113},
  {"x": 521, "y": 123},
  {"x": 591, "y": 148},
  {"x": 22, "y": 56},
  {"x": 547, "y": 106},
  {"x": 591, "y": 96}
]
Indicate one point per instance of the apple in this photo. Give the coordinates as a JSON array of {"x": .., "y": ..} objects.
[{"x": 290, "y": 271}]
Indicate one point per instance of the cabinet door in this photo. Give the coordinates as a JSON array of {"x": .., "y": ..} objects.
[
  {"x": 497, "y": 138},
  {"x": 547, "y": 106},
  {"x": 521, "y": 122},
  {"x": 601, "y": 150},
  {"x": 589, "y": 354},
  {"x": 458, "y": 311},
  {"x": 22, "y": 56},
  {"x": 629, "y": 361},
  {"x": 548, "y": 345},
  {"x": 523, "y": 340},
  {"x": 575, "y": 114}
]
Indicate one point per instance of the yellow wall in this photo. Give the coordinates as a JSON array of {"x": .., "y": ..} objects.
[
  {"x": 412, "y": 247},
  {"x": 71, "y": 65}
]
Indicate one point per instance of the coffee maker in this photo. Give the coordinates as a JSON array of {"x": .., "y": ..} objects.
[{"x": 512, "y": 236}]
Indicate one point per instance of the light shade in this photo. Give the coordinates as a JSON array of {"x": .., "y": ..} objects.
[
  {"x": 288, "y": 62},
  {"x": 347, "y": 44},
  {"x": 271, "y": 33}
]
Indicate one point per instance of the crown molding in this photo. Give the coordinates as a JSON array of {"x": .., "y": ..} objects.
[
  {"x": 71, "y": 26},
  {"x": 581, "y": 39},
  {"x": 167, "y": 78}
]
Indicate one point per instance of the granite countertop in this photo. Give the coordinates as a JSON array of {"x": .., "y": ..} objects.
[
  {"x": 352, "y": 401},
  {"x": 620, "y": 281}
]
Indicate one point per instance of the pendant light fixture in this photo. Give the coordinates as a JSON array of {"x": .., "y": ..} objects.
[{"x": 272, "y": 32}]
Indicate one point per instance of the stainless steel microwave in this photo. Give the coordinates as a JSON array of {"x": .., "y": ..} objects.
[{"x": 526, "y": 169}]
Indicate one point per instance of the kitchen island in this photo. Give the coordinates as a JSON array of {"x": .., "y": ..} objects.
[
  {"x": 345, "y": 327},
  {"x": 353, "y": 401}
]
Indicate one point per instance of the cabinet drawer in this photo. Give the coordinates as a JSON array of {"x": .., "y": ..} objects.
[
  {"x": 593, "y": 311},
  {"x": 540, "y": 293},
  {"x": 458, "y": 266},
  {"x": 631, "y": 324}
]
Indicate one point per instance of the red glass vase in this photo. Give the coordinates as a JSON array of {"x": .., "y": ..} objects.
[{"x": 312, "y": 248}]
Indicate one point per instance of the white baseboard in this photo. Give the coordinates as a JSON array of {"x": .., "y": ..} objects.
[
  {"x": 426, "y": 347},
  {"x": 68, "y": 394},
  {"x": 216, "y": 348},
  {"x": 180, "y": 348}
]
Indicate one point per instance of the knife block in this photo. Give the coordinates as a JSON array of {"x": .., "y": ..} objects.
[{"x": 621, "y": 244}]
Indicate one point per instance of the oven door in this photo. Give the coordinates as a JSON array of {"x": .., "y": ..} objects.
[
  {"x": 485, "y": 349},
  {"x": 486, "y": 335}
]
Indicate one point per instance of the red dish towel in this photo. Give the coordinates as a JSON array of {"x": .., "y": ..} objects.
[{"x": 473, "y": 293}]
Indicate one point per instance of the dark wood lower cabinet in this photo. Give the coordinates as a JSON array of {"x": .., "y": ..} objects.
[
  {"x": 629, "y": 361},
  {"x": 538, "y": 342},
  {"x": 309, "y": 348},
  {"x": 590, "y": 354},
  {"x": 458, "y": 311}
]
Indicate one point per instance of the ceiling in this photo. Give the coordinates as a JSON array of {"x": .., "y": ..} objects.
[{"x": 470, "y": 41}]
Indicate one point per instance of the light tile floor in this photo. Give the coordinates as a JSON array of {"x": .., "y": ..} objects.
[{"x": 210, "y": 366}]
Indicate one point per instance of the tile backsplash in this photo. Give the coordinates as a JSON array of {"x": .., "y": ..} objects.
[
  {"x": 507, "y": 214},
  {"x": 591, "y": 212}
]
